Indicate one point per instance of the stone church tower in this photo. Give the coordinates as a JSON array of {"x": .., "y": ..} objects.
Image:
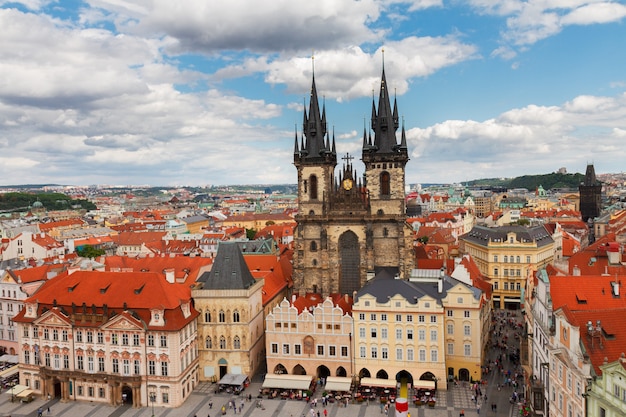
[{"x": 350, "y": 227}]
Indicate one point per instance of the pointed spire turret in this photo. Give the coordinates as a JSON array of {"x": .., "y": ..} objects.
[
  {"x": 385, "y": 123},
  {"x": 296, "y": 150}
]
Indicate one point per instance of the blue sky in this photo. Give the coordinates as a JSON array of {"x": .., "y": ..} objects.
[{"x": 199, "y": 92}]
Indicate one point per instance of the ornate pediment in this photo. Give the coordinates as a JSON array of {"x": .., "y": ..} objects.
[
  {"x": 122, "y": 322},
  {"x": 53, "y": 318}
]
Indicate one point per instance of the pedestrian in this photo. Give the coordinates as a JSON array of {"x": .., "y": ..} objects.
[
  {"x": 462, "y": 414},
  {"x": 48, "y": 410},
  {"x": 325, "y": 413}
]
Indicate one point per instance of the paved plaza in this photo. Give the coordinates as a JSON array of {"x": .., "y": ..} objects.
[{"x": 449, "y": 404}]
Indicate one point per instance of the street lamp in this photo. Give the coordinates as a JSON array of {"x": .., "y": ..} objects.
[
  {"x": 152, "y": 400},
  {"x": 12, "y": 391}
]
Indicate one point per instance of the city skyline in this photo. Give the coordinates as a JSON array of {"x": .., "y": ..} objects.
[{"x": 158, "y": 93}]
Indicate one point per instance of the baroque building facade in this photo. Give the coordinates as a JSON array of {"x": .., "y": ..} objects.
[
  {"x": 136, "y": 346},
  {"x": 350, "y": 225}
]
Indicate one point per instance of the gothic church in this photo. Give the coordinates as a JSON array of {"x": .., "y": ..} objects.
[{"x": 349, "y": 227}]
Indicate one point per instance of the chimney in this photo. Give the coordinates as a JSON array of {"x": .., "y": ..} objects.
[
  {"x": 440, "y": 284},
  {"x": 169, "y": 275},
  {"x": 576, "y": 271}
]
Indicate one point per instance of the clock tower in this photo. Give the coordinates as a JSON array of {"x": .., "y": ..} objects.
[{"x": 350, "y": 226}]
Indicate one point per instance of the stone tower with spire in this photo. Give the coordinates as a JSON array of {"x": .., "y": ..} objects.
[
  {"x": 350, "y": 226},
  {"x": 590, "y": 192}
]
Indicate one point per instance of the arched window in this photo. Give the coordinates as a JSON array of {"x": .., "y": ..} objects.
[
  {"x": 207, "y": 317},
  {"x": 313, "y": 187},
  {"x": 222, "y": 316},
  {"x": 222, "y": 342},
  {"x": 313, "y": 246},
  {"x": 236, "y": 316},
  {"x": 236, "y": 343},
  {"x": 208, "y": 343},
  {"x": 385, "y": 187}
]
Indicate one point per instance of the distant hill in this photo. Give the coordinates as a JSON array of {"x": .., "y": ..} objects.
[
  {"x": 532, "y": 182},
  {"x": 51, "y": 201}
]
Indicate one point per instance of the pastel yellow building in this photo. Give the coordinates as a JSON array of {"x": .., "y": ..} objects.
[{"x": 507, "y": 255}]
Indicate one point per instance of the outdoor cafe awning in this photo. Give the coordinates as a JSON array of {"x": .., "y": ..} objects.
[
  {"x": 25, "y": 393},
  {"x": 338, "y": 383},
  {"x": 286, "y": 381},
  {"x": 9, "y": 372},
  {"x": 378, "y": 383},
  {"x": 233, "y": 379},
  {"x": 16, "y": 389},
  {"x": 424, "y": 384}
]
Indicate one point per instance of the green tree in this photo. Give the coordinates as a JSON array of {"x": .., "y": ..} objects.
[
  {"x": 250, "y": 233},
  {"x": 89, "y": 251}
]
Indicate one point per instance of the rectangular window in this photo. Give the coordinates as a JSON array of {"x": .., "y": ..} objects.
[
  {"x": 125, "y": 367},
  {"x": 372, "y": 317},
  {"x": 151, "y": 368},
  {"x": 409, "y": 318},
  {"x": 64, "y": 335},
  {"x": 332, "y": 351},
  {"x": 150, "y": 340},
  {"x": 362, "y": 351},
  {"x": 450, "y": 313},
  {"x": 433, "y": 319},
  {"x": 46, "y": 334},
  {"x": 422, "y": 355},
  {"x": 285, "y": 349},
  {"x": 361, "y": 316},
  {"x": 398, "y": 354},
  {"x": 385, "y": 353},
  {"x": 374, "y": 352},
  {"x": 450, "y": 348},
  {"x": 164, "y": 368},
  {"x": 466, "y": 314},
  {"x": 89, "y": 337},
  {"x": 165, "y": 397},
  {"x": 467, "y": 330},
  {"x": 100, "y": 364},
  {"x": 137, "y": 366},
  {"x": 90, "y": 368},
  {"x": 450, "y": 328},
  {"x": 100, "y": 336},
  {"x": 163, "y": 341},
  {"x": 383, "y": 317},
  {"x": 421, "y": 318},
  {"x": 409, "y": 354},
  {"x": 275, "y": 348},
  {"x": 409, "y": 334},
  {"x": 421, "y": 335},
  {"x": 398, "y": 334},
  {"x": 27, "y": 357},
  {"x": 125, "y": 339},
  {"x": 90, "y": 391},
  {"x": 362, "y": 332},
  {"x": 79, "y": 336},
  {"x": 135, "y": 340},
  {"x": 46, "y": 358},
  {"x": 114, "y": 338},
  {"x": 433, "y": 335},
  {"x": 116, "y": 366},
  {"x": 433, "y": 355},
  {"x": 80, "y": 363},
  {"x": 373, "y": 332},
  {"x": 398, "y": 317},
  {"x": 101, "y": 392},
  {"x": 320, "y": 350},
  {"x": 80, "y": 390},
  {"x": 467, "y": 349},
  {"x": 383, "y": 333},
  {"x": 344, "y": 351},
  {"x": 66, "y": 362}
]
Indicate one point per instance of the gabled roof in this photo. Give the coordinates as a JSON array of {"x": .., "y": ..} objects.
[
  {"x": 229, "y": 270},
  {"x": 186, "y": 268},
  {"x": 46, "y": 227},
  {"x": 586, "y": 292},
  {"x": 138, "y": 238}
]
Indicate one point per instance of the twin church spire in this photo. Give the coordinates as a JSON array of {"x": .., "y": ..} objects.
[{"x": 316, "y": 145}]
